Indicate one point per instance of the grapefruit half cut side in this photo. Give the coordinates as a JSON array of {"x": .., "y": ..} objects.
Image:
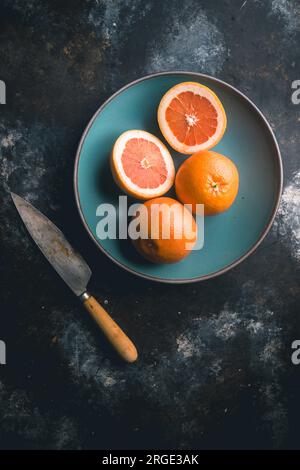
[
  {"x": 142, "y": 165},
  {"x": 191, "y": 117}
]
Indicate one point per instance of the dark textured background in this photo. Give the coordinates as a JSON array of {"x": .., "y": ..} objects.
[{"x": 214, "y": 368}]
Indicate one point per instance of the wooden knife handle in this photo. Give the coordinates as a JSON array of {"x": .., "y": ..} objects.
[{"x": 117, "y": 338}]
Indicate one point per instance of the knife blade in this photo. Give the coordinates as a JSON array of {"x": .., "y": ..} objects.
[{"x": 73, "y": 269}]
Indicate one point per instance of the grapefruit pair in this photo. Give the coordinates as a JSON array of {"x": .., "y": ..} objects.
[
  {"x": 207, "y": 178},
  {"x": 143, "y": 168}
]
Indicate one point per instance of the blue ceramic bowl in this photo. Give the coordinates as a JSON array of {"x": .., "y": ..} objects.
[{"x": 249, "y": 141}]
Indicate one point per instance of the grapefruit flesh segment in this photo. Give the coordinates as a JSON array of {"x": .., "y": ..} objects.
[
  {"x": 141, "y": 165},
  {"x": 191, "y": 117}
]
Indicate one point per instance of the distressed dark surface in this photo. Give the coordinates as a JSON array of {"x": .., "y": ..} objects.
[{"x": 214, "y": 368}]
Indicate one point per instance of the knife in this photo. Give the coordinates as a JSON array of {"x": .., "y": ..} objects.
[{"x": 75, "y": 272}]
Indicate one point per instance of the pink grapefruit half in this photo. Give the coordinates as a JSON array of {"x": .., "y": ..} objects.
[{"x": 142, "y": 165}]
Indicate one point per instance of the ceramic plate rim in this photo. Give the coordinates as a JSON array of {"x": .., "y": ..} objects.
[{"x": 269, "y": 223}]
